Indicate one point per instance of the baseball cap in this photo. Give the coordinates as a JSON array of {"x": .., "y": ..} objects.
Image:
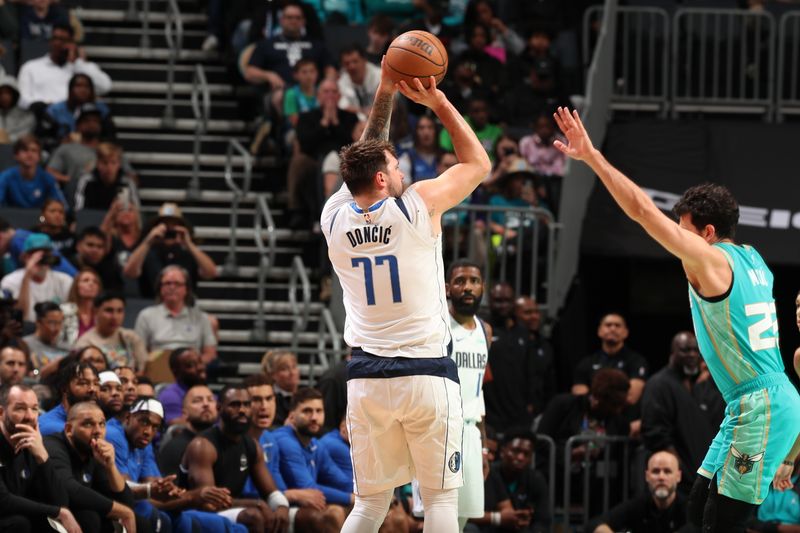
[
  {"x": 86, "y": 109},
  {"x": 148, "y": 405},
  {"x": 108, "y": 377},
  {"x": 37, "y": 241},
  {"x": 170, "y": 212}
]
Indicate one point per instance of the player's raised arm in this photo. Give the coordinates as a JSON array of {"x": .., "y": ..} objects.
[
  {"x": 380, "y": 116},
  {"x": 458, "y": 182},
  {"x": 690, "y": 247}
]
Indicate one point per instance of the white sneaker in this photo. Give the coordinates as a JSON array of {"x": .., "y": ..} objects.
[{"x": 210, "y": 44}]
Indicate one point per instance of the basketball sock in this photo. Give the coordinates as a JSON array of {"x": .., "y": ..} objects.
[
  {"x": 441, "y": 510},
  {"x": 368, "y": 513}
]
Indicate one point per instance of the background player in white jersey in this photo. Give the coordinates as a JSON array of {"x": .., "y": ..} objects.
[
  {"x": 470, "y": 352},
  {"x": 404, "y": 407}
]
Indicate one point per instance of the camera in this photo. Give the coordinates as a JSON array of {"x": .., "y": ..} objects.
[
  {"x": 50, "y": 260},
  {"x": 170, "y": 234}
]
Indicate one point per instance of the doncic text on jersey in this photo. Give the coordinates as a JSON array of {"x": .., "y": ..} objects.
[{"x": 369, "y": 234}]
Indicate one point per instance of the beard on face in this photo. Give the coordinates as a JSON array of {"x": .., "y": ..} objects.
[
  {"x": 233, "y": 425},
  {"x": 84, "y": 448},
  {"x": 201, "y": 424},
  {"x": 306, "y": 431},
  {"x": 10, "y": 426},
  {"x": 73, "y": 399},
  {"x": 466, "y": 309},
  {"x": 110, "y": 412},
  {"x": 662, "y": 492}
]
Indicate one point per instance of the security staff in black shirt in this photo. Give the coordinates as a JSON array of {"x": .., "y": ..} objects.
[
  {"x": 662, "y": 510},
  {"x": 30, "y": 492},
  {"x": 84, "y": 461}
]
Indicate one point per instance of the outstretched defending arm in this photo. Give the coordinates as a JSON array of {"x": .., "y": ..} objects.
[{"x": 699, "y": 259}]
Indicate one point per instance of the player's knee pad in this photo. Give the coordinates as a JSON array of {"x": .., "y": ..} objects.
[{"x": 373, "y": 507}]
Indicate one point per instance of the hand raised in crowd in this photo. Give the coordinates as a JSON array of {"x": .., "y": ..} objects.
[
  {"x": 29, "y": 438},
  {"x": 183, "y": 234},
  {"x": 33, "y": 261},
  {"x": 156, "y": 233},
  {"x": 103, "y": 452}
]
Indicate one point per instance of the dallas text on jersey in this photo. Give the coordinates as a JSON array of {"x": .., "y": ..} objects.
[{"x": 469, "y": 359}]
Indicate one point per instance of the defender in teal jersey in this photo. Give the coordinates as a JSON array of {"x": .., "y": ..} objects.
[{"x": 730, "y": 292}]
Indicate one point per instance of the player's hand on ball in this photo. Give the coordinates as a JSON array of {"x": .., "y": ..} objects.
[
  {"x": 430, "y": 97},
  {"x": 387, "y": 83},
  {"x": 579, "y": 144}
]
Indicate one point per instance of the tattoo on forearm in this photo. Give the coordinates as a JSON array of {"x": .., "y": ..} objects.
[{"x": 379, "y": 118}]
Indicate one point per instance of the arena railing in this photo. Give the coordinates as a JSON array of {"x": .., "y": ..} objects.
[
  {"x": 723, "y": 60},
  {"x": 788, "y": 84},
  {"x": 263, "y": 222},
  {"x": 551, "y": 474},
  {"x": 230, "y": 266},
  {"x": 132, "y": 14},
  {"x": 326, "y": 331},
  {"x": 606, "y": 465},
  {"x": 201, "y": 108},
  {"x": 298, "y": 280},
  {"x": 524, "y": 260},
  {"x": 173, "y": 34},
  {"x": 641, "y": 67}
]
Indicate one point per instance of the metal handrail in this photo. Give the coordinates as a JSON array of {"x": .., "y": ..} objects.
[
  {"x": 327, "y": 328},
  {"x": 608, "y": 439},
  {"x": 131, "y": 14},
  {"x": 173, "y": 34},
  {"x": 266, "y": 260},
  {"x": 201, "y": 108},
  {"x": 783, "y": 99},
  {"x": 230, "y": 266},
  {"x": 551, "y": 475},
  {"x": 301, "y": 310}
]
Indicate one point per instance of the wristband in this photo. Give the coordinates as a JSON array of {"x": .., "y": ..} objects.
[
  {"x": 495, "y": 518},
  {"x": 788, "y": 463},
  {"x": 277, "y": 499},
  {"x": 149, "y": 486}
]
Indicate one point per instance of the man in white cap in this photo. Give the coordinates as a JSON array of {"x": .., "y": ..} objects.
[{"x": 109, "y": 398}]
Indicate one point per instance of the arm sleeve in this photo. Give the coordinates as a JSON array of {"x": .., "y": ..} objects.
[
  {"x": 331, "y": 475},
  {"x": 11, "y": 503},
  {"x": 583, "y": 372},
  {"x": 274, "y": 467},
  {"x": 639, "y": 368},
  {"x": 121, "y": 451},
  {"x": 297, "y": 476},
  {"x": 101, "y": 80},
  {"x": 79, "y": 495},
  {"x": 100, "y": 484},
  {"x": 658, "y": 415}
]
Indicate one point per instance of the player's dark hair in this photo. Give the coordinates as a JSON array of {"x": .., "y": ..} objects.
[
  {"x": 42, "y": 308},
  {"x": 303, "y": 395},
  {"x": 227, "y": 388},
  {"x": 462, "y": 263},
  {"x": 361, "y": 161},
  {"x": 16, "y": 343},
  {"x": 64, "y": 27},
  {"x": 91, "y": 231},
  {"x": 258, "y": 380},
  {"x": 519, "y": 432},
  {"x": 353, "y": 48},
  {"x": 303, "y": 61},
  {"x": 612, "y": 313},
  {"x": 71, "y": 370},
  {"x": 107, "y": 296},
  {"x": 713, "y": 204},
  {"x": 175, "y": 356},
  {"x": 610, "y": 386},
  {"x": 5, "y": 390}
]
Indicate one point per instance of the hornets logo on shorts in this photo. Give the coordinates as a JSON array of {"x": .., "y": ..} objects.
[
  {"x": 455, "y": 462},
  {"x": 744, "y": 462}
]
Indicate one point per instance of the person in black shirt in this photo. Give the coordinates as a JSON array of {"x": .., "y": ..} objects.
[
  {"x": 30, "y": 492},
  {"x": 527, "y": 314},
  {"x": 678, "y": 413},
  {"x": 200, "y": 413},
  {"x": 92, "y": 250},
  {"x": 84, "y": 461},
  {"x": 99, "y": 188},
  {"x": 515, "y": 489},
  {"x": 333, "y": 386},
  {"x": 661, "y": 510},
  {"x": 225, "y": 456}
]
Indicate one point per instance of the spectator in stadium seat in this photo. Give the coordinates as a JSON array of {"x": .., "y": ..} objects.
[
  {"x": 169, "y": 241},
  {"x": 273, "y": 58},
  {"x": 432, "y": 12},
  {"x": 281, "y": 366},
  {"x": 662, "y": 509},
  {"x": 797, "y": 351},
  {"x": 539, "y": 94},
  {"x": 679, "y": 414},
  {"x": 27, "y": 184},
  {"x": 80, "y": 92},
  {"x": 31, "y": 491},
  {"x": 53, "y": 222},
  {"x": 421, "y": 160},
  {"x": 124, "y": 225},
  {"x": 538, "y": 149},
  {"x": 122, "y": 346},
  {"x": 189, "y": 370},
  {"x": 91, "y": 252},
  {"x": 88, "y": 354},
  {"x": 39, "y": 17},
  {"x": 79, "y": 312},
  {"x": 380, "y": 29},
  {"x": 478, "y": 119},
  {"x": 76, "y": 382},
  {"x": 510, "y": 379},
  {"x": 109, "y": 399},
  {"x": 333, "y": 386},
  {"x": 14, "y": 362},
  {"x": 14, "y": 121},
  {"x": 527, "y": 314},
  {"x": 337, "y": 443},
  {"x": 46, "y": 79},
  {"x": 176, "y": 321},
  {"x": 488, "y": 68},
  {"x": 145, "y": 388},
  {"x": 462, "y": 84},
  {"x": 504, "y": 42},
  {"x": 36, "y": 281},
  {"x": 227, "y": 443},
  {"x": 318, "y": 132},
  {"x": 129, "y": 381},
  {"x": 516, "y": 492},
  {"x": 780, "y": 512},
  {"x": 305, "y": 464},
  {"x": 199, "y": 412},
  {"x": 106, "y": 182},
  {"x": 302, "y": 96},
  {"x": 84, "y": 461},
  {"x": 44, "y": 343},
  {"x": 358, "y": 81}
]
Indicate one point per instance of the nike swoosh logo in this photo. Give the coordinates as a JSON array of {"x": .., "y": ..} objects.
[{"x": 242, "y": 468}]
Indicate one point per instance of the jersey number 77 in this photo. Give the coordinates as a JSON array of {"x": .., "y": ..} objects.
[{"x": 394, "y": 276}]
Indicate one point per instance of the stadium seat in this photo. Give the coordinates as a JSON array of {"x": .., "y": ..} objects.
[
  {"x": 7, "y": 156},
  {"x": 20, "y": 217},
  {"x": 88, "y": 217},
  {"x": 32, "y": 49},
  {"x": 338, "y": 37},
  {"x": 133, "y": 307}
]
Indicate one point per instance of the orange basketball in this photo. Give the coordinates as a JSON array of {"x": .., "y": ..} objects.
[{"x": 417, "y": 54}]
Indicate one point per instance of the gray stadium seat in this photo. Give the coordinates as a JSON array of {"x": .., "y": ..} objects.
[
  {"x": 6, "y": 156},
  {"x": 32, "y": 49},
  {"x": 133, "y": 307},
  {"x": 339, "y": 37},
  {"x": 88, "y": 217},
  {"x": 20, "y": 217}
]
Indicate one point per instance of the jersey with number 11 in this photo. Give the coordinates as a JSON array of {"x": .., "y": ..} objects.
[
  {"x": 390, "y": 266},
  {"x": 738, "y": 333}
]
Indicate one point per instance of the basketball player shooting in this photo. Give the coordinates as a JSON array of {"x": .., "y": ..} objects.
[
  {"x": 404, "y": 407},
  {"x": 733, "y": 310}
]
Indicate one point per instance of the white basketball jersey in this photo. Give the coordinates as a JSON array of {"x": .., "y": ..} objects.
[
  {"x": 392, "y": 274},
  {"x": 470, "y": 353}
]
